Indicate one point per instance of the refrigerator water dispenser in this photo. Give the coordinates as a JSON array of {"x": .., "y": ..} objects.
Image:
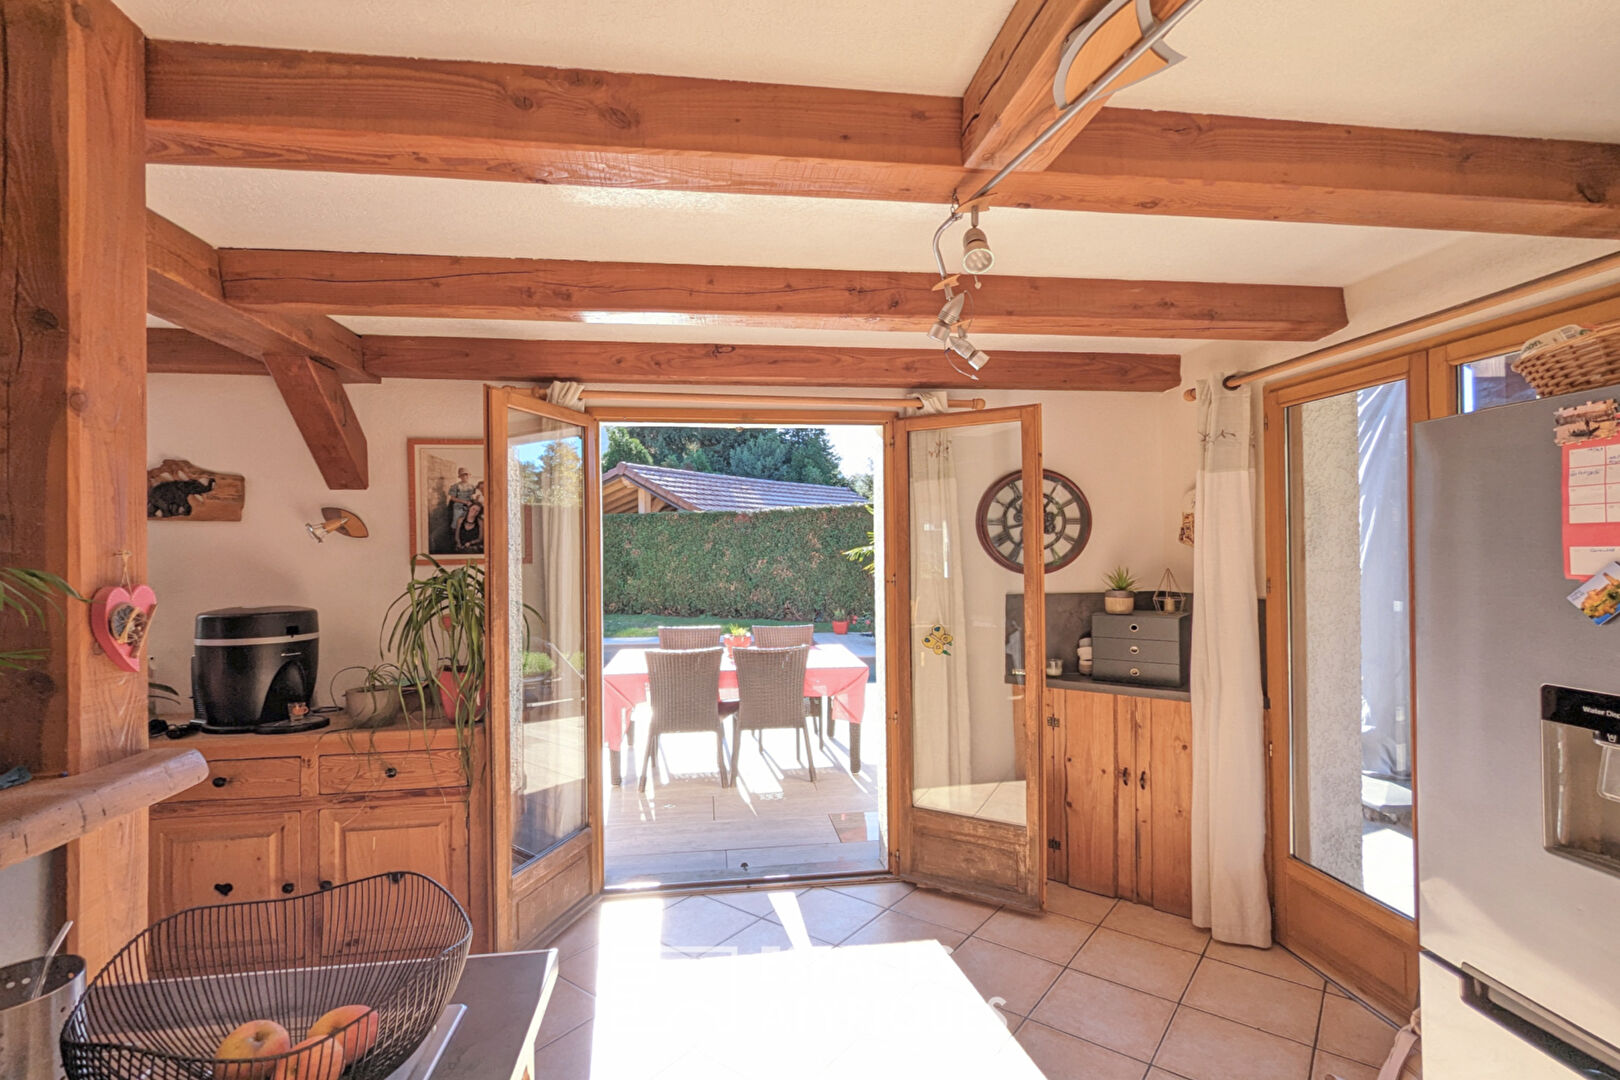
[{"x": 1580, "y": 763}]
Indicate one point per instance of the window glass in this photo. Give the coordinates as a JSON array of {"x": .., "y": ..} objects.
[{"x": 1484, "y": 384}]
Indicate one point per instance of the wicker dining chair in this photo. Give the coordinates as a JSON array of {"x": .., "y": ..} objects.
[
  {"x": 684, "y": 686},
  {"x": 770, "y": 684},
  {"x": 689, "y": 637},
  {"x": 786, "y": 637}
]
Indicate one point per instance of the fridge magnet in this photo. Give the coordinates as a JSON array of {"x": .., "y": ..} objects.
[
  {"x": 1588, "y": 420},
  {"x": 177, "y": 490},
  {"x": 1599, "y": 596}
]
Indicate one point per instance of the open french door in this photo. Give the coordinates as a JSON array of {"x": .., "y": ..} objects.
[
  {"x": 545, "y": 661},
  {"x": 965, "y": 681}
]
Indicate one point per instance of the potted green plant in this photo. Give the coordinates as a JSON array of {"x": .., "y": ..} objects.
[
  {"x": 737, "y": 636},
  {"x": 1120, "y": 599},
  {"x": 435, "y": 631},
  {"x": 840, "y": 621},
  {"x": 377, "y": 699}
]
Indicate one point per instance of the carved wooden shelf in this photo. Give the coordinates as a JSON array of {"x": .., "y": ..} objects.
[{"x": 50, "y": 811}]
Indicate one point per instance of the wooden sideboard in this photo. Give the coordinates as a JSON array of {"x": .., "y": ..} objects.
[
  {"x": 281, "y": 815},
  {"x": 1118, "y": 764}
]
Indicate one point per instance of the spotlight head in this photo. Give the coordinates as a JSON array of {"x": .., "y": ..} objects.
[
  {"x": 976, "y": 254},
  {"x": 964, "y": 348},
  {"x": 951, "y": 313}
]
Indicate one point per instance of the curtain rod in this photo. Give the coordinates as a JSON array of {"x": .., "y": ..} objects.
[
  {"x": 1578, "y": 272},
  {"x": 627, "y": 397}
]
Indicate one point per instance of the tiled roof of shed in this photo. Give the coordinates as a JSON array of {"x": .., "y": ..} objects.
[{"x": 715, "y": 491}]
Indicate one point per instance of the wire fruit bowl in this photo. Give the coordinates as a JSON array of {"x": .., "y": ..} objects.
[{"x": 160, "y": 1008}]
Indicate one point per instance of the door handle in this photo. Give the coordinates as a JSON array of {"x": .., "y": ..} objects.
[
  {"x": 1125, "y": 775},
  {"x": 325, "y": 885},
  {"x": 1135, "y": 649},
  {"x": 287, "y": 887},
  {"x": 1143, "y": 780}
]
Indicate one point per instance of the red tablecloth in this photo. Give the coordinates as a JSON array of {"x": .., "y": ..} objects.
[{"x": 831, "y": 671}]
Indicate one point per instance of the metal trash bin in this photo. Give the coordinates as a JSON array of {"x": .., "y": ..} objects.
[{"x": 30, "y": 1030}]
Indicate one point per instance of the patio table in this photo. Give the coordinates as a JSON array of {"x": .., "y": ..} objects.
[{"x": 830, "y": 671}]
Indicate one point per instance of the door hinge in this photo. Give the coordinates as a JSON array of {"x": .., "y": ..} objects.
[
  {"x": 1269, "y": 746},
  {"x": 1052, "y": 721},
  {"x": 1054, "y": 844}
]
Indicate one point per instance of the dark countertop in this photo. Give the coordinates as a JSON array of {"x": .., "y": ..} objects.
[
  {"x": 506, "y": 996},
  {"x": 1076, "y": 681}
]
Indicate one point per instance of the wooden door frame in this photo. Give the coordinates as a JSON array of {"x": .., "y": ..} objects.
[
  {"x": 904, "y": 818},
  {"x": 506, "y": 886}
]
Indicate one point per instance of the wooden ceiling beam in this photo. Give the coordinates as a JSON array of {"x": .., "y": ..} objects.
[
  {"x": 1009, "y": 100},
  {"x": 758, "y": 365},
  {"x": 303, "y": 354},
  {"x": 438, "y": 286},
  {"x": 183, "y": 287},
  {"x": 172, "y": 351},
  {"x": 278, "y": 108}
]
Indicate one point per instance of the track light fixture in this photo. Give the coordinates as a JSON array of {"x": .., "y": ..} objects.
[{"x": 976, "y": 254}]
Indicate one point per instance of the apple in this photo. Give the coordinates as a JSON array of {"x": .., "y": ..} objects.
[
  {"x": 312, "y": 1059},
  {"x": 254, "y": 1039},
  {"x": 361, "y": 1034}
]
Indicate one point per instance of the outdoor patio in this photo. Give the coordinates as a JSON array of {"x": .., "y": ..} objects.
[{"x": 775, "y": 822}]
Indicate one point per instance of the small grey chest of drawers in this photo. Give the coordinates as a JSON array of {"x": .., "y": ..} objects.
[{"x": 1148, "y": 647}]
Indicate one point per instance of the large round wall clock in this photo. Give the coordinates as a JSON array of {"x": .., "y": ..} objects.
[{"x": 1066, "y": 520}]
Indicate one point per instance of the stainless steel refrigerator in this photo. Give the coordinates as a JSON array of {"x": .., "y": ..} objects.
[{"x": 1518, "y": 848}]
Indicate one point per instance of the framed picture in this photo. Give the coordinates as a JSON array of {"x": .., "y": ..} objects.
[{"x": 447, "y": 493}]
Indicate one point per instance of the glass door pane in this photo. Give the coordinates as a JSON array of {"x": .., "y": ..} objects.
[
  {"x": 547, "y": 633},
  {"x": 967, "y": 664},
  {"x": 1350, "y": 640}
]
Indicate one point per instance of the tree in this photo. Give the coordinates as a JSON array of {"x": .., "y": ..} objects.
[{"x": 800, "y": 455}]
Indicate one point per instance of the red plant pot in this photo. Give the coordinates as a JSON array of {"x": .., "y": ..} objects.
[
  {"x": 450, "y": 693},
  {"x": 840, "y": 627}
]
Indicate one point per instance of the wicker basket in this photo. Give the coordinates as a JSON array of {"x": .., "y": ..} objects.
[
  {"x": 158, "y": 1010},
  {"x": 1569, "y": 367}
]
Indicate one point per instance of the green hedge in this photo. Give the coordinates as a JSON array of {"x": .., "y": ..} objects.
[{"x": 773, "y": 564}]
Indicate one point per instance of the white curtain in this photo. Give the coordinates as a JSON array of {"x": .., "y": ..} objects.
[
  {"x": 942, "y": 747},
  {"x": 1228, "y": 744}
]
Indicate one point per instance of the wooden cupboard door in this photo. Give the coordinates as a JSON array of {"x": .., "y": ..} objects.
[
  {"x": 1054, "y": 766},
  {"x": 207, "y": 860},
  {"x": 1090, "y": 755},
  {"x": 424, "y": 836},
  {"x": 1164, "y": 865},
  {"x": 223, "y": 859}
]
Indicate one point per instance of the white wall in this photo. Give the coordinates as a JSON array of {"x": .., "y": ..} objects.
[{"x": 1120, "y": 448}]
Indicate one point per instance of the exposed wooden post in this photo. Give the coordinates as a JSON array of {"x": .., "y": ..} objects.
[
  {"x": 315, "y": 397},
  {"x": 73, "y": 380}
]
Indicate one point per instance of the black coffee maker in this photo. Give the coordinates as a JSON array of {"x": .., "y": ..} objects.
[{"x": 253, "y": 669}]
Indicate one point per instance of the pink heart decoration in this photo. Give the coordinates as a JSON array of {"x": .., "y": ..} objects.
[{"x": 119, "y": 619}]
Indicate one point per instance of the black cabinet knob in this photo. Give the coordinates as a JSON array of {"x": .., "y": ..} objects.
[
  {"x": 220, "y": 781},
  {"x": 325, "y": 885},
  {"x": 287, "y": 887},
  {"x": 390, "y": 772}
]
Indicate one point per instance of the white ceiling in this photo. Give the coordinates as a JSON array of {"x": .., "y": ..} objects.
[
  {"x": 1507, "y": 66},
  {"x": 1513, "y": 67}
]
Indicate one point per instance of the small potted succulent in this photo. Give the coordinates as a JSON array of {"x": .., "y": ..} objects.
[
  {"x": 1120, "y": 599},
  {"x": 840, "y": 621},
  {"x": 737, "y": 636}
]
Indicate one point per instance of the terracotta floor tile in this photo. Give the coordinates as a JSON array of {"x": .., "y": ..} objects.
[
  {"x": 1117, "y": 1017},
  {"x": 1260, "y": 1001},
  {"x": 1016, "y": 978},
  {"x": 882, "y": 893},
  {"x": 697, "y": 922},
  {"x": 1327, "y": 1065},
  {"x": 764, "y": 936},
  {"x": 827, "y": 915},
  {"x": 1064, "y": 1057},
  {"x": 1204, "y": 1047},
  {"x": 579, "y": 936},
  {"x": 1051, "y": 937},
  {"x": 1145, "y": 922},
  {"x": 1157, "y": 1073},
  {"x": 753, "y": 901},
  {"x": 1077, "y": 903},
  {"x": 1160, "y": 970},
  {"x": 1351, "y": 1030},
  {"x": 955, "y": 912},
  {"x": 891, "y": 927},
  {"x": 580, "y": 969},
  {"x": 567, "y": 1057},
  {"x": 1276, "y": 961}
]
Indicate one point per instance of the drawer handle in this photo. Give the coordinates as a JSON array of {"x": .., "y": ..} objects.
[
  {"x": 224, "y": 888},
  {"x": 1135, "y": 672},
  {"x": 1135, "y": 628},
  {"x": 287, "y": 887},
  {"x": 220, "y": 781},
  {"x": 1144, "y": 780},
  {"x": 1125, "y": 776},
  {"x": 325, "y": 885},
  {"x": 390, "y": 772},
  {"x": 1135, "y": 649}
]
